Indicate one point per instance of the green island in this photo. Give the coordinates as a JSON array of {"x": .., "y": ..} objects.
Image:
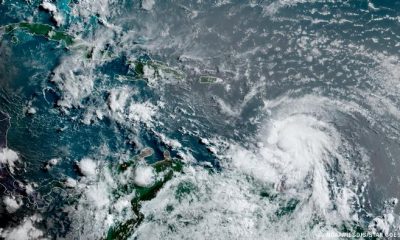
[
  {"x": 164, "y": 168},
  {"x": 209, "y": 79},
  {"x": 39, "y": 29},
  {"x": 141, "y": 68}
]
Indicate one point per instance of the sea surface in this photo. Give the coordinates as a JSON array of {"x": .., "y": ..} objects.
[{"x": 223, "y": 119}]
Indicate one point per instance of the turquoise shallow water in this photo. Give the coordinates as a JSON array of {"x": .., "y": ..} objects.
[{"x": 199, "y": 119}]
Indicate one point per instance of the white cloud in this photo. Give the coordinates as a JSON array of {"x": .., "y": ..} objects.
[
  {"x": 290, "y": 166},
  {"x": 118, "y": 98},
  {"x": 70, "y": 182},
  {"x": 26, "y": 230},
  {"x": 12, "y": 203},
  {"x": 148, "y": 4},
  {"x": 51, "y": 163},
  {"x": 87, "y": 167},
  {"x": 175, "y": 144},
  {"x": 52, "y": 9},
  {"x": 144, "y": 176},
  {"x": 142, "y": 112},
  {"x": 9, "y": 158},
  {"x": 49, "y": 6}
]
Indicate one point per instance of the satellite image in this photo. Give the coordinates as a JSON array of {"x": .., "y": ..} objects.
[{"x": 199, "y": 119}]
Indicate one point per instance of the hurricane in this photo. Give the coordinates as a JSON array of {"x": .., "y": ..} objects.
[{"x": 222, "y": 119}]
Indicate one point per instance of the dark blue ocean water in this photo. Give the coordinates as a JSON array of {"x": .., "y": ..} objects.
[{"x": 223, "y": 37}]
